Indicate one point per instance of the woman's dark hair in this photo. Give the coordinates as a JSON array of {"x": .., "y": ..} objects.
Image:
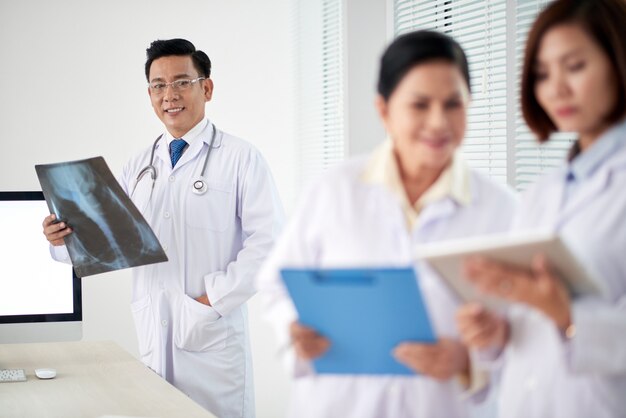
[
  {"x": 415, "y": 48},
  {"x": 605, "y": 22},
  {"x": 181, "y": 47}
]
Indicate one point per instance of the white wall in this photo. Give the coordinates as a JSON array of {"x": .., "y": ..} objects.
[{"x": 72, "y": 86}]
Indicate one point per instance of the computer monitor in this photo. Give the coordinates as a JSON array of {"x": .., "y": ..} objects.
[{"x": 40, "y": 299}]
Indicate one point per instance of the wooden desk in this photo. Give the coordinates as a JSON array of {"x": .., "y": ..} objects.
[{"x": 93, "y": 379}]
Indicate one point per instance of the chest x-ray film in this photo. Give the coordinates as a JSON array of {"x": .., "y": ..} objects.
[{"x": 109, "y": 232}]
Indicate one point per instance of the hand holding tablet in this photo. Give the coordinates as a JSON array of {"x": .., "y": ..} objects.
[{"x": 449, "y": 259}]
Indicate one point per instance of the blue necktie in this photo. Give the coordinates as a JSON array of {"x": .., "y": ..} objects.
[{"x": 176, "y": 150}]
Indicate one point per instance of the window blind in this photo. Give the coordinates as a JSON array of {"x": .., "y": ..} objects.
[
  {"x": 480, "y": 27},
  {"x": 318, "y": 51},
  {"x": 531, "y": 159}
]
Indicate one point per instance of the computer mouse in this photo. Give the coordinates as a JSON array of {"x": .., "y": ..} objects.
[{"x": 45, "y": 373}]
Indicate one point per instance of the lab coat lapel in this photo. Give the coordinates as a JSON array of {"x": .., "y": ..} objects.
[
  {"x": 388, "y": 210},
  {"x": 595, "y": 186},
  {"x": 386, "y": 207},
  {"x": 549, "y": 208},
  {"x": 436, "y": 212},
  {"x": 191, "y": 153},
  {"x": 196, "y": 146},
  {"x": 585, "y": 195},
  {"x": 163, "y": 153}
]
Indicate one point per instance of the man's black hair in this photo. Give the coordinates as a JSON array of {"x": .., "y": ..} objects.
[{"x": 180, "y": 47}]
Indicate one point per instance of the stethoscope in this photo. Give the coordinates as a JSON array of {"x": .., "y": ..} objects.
[{"x": 199, "y": 186}]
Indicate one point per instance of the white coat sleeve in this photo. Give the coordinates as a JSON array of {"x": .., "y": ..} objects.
[
  {"x": 599, "y": 345},
  {"x": 59, "y": 253},
  {"x": 261, "y": 215},
  {"x": 298, "y": 246}
]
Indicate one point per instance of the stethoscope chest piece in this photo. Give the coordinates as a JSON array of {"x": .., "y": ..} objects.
[{"x": 199, "y": 187}]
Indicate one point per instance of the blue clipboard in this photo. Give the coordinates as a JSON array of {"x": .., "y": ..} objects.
[{"x": 364, "y": 312}]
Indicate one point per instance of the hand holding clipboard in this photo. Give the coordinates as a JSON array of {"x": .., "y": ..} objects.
[{"x": 364, "y": 313}]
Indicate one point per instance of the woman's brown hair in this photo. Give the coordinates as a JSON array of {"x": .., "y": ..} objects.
[{"x": 605, "y": 22}]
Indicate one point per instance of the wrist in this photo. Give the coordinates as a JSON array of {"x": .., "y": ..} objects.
[
  {"x": 464, "y": 378},
  {"x": 562, "y": 317},
  {"x": 503, "y": 336},
  {"x": 464, "y": 366},
  {"x": 564, "y": 322}
]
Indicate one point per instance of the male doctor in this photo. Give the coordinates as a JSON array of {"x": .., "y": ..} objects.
[{"x": 213, "y": 205}]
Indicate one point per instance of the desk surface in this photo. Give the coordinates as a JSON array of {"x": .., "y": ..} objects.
[{"x": 93, "y": 379}]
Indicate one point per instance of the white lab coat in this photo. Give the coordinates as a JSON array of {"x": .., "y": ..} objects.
[
  {"x": 343, "y": 221},
  {"x": 546, "y": 375},
  {"x": 215, "y": 244}
]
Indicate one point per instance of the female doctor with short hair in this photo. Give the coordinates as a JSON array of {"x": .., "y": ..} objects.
[
  {"x": 373, "y": 211},
  {"x": 564, "y": 357}
]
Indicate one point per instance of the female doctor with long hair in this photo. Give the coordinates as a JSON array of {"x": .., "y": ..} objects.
[
  {"x": 373, "y": 211},
  {"x": 564, "y": 357}
]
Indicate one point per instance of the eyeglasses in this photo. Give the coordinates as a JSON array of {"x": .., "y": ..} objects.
[{"x": 159, "y": 87}]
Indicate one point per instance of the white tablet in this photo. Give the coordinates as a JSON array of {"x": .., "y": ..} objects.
[{"x": 447, "y": 257}]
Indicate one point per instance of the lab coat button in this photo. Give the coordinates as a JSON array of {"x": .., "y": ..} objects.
[
  {"x": 171, "y": 179},
  {"x": 166, "y": 215},
  {"x": 164, "y": 247},
  {"x": 164, "y": 323}
]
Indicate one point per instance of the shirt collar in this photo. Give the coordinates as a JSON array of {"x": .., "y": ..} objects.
[
  {"x": 585, "y": 164},
  {"x": 190, "y": 136},
  {"x": 382, "y": 168}
]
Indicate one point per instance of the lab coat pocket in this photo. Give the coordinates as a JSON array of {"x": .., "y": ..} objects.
[
  {"x": 144, "y": 322},
  {"x": 201, "y": 328},
  {"x": 213, "y": 210}
]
